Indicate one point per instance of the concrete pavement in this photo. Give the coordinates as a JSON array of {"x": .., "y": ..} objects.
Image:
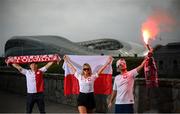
[{"x": 15, "y": 103}]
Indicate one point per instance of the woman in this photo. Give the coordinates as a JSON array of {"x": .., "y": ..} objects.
[{"x": 85, "y": 100}]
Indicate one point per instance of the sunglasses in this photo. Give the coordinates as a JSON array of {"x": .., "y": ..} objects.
[{"x": 86, "y": 69}]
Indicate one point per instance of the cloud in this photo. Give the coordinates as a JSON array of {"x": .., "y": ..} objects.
[{"x": 81, "y": 20}]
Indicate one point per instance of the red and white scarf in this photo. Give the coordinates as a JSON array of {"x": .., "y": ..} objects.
[
  {"x": 150, "y": 71},
  {"x": 32, "y": 58}
]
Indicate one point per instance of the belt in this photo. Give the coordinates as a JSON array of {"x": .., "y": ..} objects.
[
  {"x": 87, "y": 93},
  {"x": 35, "y": 93}
]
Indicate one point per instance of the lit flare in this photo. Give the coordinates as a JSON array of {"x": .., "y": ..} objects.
[{"x": 146, "y": 36}]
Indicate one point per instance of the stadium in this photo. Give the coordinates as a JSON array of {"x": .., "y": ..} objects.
[{"x": 35, "y": 45}]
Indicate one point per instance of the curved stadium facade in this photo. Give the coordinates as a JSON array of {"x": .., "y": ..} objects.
[{"x": 35, "y": 45}]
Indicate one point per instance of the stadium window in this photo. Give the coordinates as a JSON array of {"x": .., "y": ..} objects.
[
  {"x": 160, "y": 65},
  {"x": 175, "y": 65}
]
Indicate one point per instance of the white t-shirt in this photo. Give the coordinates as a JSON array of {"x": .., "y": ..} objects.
[
  {"x": 124, "y": 85},
  {"x": 31, "y": 80},
  {"x": 86, "y": 85}
]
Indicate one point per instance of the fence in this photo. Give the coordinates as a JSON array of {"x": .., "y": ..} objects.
[{"x": 165, "y": 98}]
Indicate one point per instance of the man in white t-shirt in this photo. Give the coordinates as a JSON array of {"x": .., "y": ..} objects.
[
  {"x": 123, "y": 87},
  {"x": 35, "y": 85}
]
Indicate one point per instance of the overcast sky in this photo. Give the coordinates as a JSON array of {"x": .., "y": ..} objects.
[{"x": 81, "y": 20}]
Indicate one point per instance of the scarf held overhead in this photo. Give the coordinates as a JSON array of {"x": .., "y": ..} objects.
[
  {"x": 102, "y": 85},
  {"x": 32, "y": 58}
]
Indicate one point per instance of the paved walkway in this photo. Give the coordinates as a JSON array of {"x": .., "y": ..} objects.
[{"x": 14, "y": 103}]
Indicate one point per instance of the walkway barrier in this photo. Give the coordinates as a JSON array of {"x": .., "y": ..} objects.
[{"x": 165, "y": 98}]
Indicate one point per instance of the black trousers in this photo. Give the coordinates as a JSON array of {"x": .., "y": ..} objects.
[
  {"x": 124, "y": 108},
  {"x": 33, "y": 98},
  {"x": 87, "y": 100}
]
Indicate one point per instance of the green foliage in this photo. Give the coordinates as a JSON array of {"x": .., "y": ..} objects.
[
  {"x": 2, "y": 61},
  {"x": 55, "y": 68}
]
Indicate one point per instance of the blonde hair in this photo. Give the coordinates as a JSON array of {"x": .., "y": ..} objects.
[{"x": 87, "y": 65}]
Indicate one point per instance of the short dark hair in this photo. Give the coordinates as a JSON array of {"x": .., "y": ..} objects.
[{"x": 32, "y": 63}]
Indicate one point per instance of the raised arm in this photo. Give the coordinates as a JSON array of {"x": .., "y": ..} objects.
[
  {"x": 68, "y": 61},
  {"x": 18, "y": 67},
  {"x": 142, "y": 65},
  {"x": 105, "y": 65}
]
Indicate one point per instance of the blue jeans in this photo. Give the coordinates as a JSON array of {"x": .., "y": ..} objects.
[{"x": 124, "y": 108}]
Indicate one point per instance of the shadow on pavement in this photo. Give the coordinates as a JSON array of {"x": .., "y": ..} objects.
[{"x": 15, "y": 103}]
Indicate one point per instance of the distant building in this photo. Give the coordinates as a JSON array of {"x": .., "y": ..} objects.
[
  {"x": 168, "y": 59},
  {"x": 33, "y": 45}
]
